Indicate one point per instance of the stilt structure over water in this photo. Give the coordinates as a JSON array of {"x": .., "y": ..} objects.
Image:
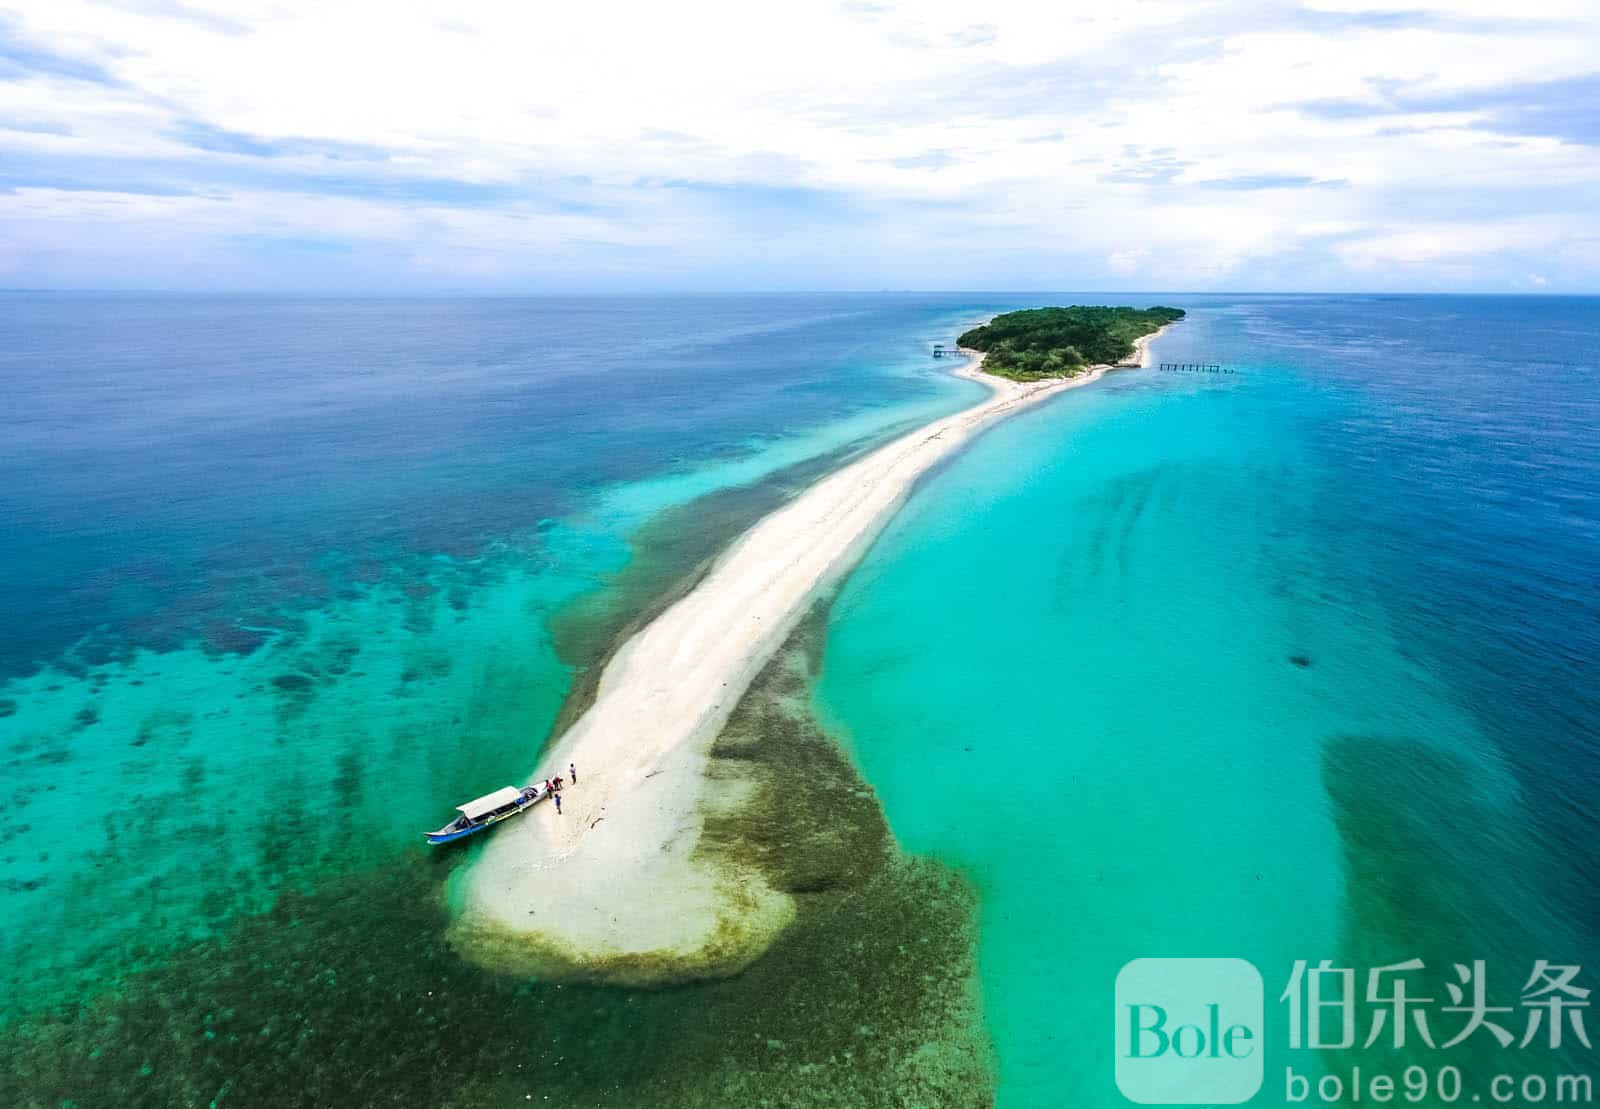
[{"x": 1196, "y": 367}]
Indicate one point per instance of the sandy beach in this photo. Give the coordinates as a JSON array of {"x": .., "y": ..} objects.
[{"x": 614, "y": 888}]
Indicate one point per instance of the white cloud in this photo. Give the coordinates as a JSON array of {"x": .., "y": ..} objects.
[
  {"x": 1127, "y": 262},
  {"x": 1435, "y": 242},
  {"x": 1152, "y": 140}
]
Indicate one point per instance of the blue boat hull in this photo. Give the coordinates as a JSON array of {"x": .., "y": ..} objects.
[
  {"x": 435, "y": 837},
  {"x": 442, "y": 836}
]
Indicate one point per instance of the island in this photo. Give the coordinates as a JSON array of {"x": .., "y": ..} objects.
[{"x": 1063, "y": 342}]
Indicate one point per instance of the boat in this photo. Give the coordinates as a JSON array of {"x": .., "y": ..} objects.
[{"x": 489, "y": 809}]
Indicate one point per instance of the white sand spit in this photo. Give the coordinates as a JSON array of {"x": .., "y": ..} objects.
[{"x": 614, "y": 889}]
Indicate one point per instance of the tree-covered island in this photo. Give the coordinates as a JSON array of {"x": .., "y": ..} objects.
[{"x": 1062, "y": 342}]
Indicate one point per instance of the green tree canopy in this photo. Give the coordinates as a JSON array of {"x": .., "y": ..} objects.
[{"x": 1060, "y": 342}]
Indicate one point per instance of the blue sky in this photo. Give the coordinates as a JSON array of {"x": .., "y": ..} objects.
[{"x": 1427, "y": 145}]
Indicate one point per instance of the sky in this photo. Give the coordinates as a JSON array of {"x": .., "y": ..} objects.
[{"x": 701, "y": 145}]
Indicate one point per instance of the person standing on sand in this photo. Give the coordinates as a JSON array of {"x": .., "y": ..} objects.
[
  {"x": 558, "y": 803},
  {"x": 572, "y": 772}
]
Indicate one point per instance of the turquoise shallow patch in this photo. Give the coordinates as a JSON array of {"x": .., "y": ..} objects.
[{"x": 1122, "y": 662}]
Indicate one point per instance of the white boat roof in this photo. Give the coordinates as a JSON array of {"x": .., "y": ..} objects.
[{"x": 489, "y": 802}]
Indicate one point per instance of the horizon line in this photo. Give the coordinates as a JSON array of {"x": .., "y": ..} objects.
[{"x": 461, "y": 294}]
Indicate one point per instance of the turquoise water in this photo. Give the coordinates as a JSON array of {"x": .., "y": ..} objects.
[
  {"x": 284, "y": 577},
  {"x": 1294, "y": 662},
  {"x": 1170, "y": 669}
]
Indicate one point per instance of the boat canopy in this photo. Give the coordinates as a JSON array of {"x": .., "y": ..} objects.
[{"x": 489, "y": 802}]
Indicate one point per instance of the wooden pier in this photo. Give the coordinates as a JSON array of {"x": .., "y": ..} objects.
[{"x": 1195, "y": 368}]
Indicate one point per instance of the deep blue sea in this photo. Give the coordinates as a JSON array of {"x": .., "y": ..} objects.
[
  {"x": 1297, "y": 661},
  {"x": 176, "y": 466}
]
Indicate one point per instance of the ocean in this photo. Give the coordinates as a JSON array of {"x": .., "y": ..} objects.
[{"x": 1293, "y": 661}]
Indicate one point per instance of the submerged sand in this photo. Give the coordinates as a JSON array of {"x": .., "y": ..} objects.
[{"x": 619, "y": 887}]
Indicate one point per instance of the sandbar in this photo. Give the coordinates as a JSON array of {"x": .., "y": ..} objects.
[{"x": 616, "y": 888}]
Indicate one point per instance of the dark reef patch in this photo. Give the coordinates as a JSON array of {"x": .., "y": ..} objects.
[
  {"x": 338, "y": 654},
  {"x": 295, "y": 684},
  {"x": 350, "y": 996},
  {"x": 227, "y": 637},
  {"x": 348, "y": 993},
  {"x": 812, "y": 824},
  {"x": 1420, "y": 826}
]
